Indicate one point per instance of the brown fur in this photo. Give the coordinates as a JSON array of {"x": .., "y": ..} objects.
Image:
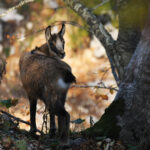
[{"x": 43, "y": 49}]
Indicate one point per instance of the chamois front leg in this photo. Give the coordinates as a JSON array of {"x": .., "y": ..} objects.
[{"x": 33, "y": 103}]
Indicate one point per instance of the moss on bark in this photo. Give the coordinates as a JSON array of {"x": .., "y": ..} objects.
[{"x": 107, "y": 125}]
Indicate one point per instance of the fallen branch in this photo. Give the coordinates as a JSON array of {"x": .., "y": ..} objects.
[{"x": 18, "y": 119}]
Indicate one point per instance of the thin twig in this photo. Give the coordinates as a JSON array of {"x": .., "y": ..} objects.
[
  {"x": 105, "y": 72},
  {"x": 99, "y": 5},
  {"x": 114, "y": 72},
  {"x": 94, "y": 86},
  {"x": 15, "y": 7},
  {"x": 44, "y": 124},
  {"x": 56, "y": 23},
  {"x": 18, "y": 119},
  {"x": 60, "y": 7}
]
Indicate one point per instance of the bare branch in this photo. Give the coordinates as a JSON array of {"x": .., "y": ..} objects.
[
  {"x": 56, "y": 23},
  {"x": 60, "y": 7},
  {"x": 18, "y": 119},
  {"x": 99, "y": 31},
  {"x": 94, "y": 86},
  {"x": 99, "y": 5},
  {"x": 15, "y": 7},
  {"x": 94, "y": 23}
]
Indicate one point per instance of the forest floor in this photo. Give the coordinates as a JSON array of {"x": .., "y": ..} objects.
[{"x": 13, "y": 138}]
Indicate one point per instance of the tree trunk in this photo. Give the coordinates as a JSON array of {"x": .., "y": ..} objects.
[
  {"x": 128, "y": 117},
  {"x": 129, "y": 29}
]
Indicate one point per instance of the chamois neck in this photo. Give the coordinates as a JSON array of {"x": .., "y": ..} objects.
[{"x": 45, "y": 49}]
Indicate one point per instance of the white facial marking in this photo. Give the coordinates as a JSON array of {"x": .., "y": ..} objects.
[
  {"x": 62, "y": 84},
  {"x": 59, "y": 44}
]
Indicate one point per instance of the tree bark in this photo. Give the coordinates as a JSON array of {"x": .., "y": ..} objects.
[
  {"x": 130, "y": 27},
  {"x": 135, "y": 120},
  {"x": 128, "y": 117}
]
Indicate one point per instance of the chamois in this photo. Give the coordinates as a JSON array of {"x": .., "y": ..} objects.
[{"x": 45, "y": 76}]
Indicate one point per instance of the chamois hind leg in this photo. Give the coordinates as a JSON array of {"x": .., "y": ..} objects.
[
  {"x": 63, "y": 121},
  {"x": 52, "y": 131},
  {"x": 33, "y": 103},
  {"x": 63, "y": 126}
]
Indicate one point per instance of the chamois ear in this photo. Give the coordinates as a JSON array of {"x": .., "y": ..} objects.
[
  {"x": 62, "y": 31},
  {"x": 48, "y": 33}
]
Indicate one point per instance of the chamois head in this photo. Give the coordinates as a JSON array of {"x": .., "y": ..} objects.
[{"x": 55, "y": 42}]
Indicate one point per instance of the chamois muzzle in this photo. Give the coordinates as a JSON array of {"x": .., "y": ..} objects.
[{"x": 62, "y": 55}]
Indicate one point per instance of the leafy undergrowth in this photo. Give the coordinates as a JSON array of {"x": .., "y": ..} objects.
[{"x": 13, "y": 138}]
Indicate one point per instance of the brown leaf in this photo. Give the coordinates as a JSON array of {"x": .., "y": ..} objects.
[
  {"x": 111, "y": 91},
  {"x": 97, "y": 96},
  {"x": 104, "y": 97},
  {"x": 28, "y": 112}
]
